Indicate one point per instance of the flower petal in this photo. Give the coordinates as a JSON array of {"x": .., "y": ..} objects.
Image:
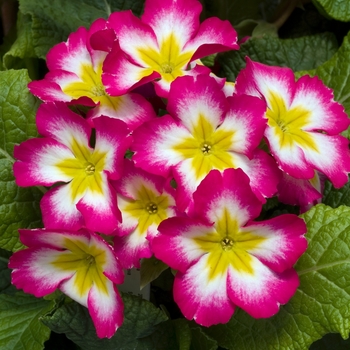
[
  {"x": 283, "y": 241},
  {"x": 202, "y": 298},
  {"x": 106, "y": 310},
  {"x": 37, "y": 161},
  {"x": 261, "y": 293},
  {"x": 34, "y": 272}
]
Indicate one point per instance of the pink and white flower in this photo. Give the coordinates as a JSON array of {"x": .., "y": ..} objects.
[
  {"x": 303, "y": 122},
  {"x": 145, "y": 200},
  {"x": 224, "y": 259},
  {"x": 64, "y": 155},
  {"x": 81, "y": 264},
  {"x": 75, "y": 77},
  {"x": 161, "y": 44},
  {"x": 208, "y": 131}
]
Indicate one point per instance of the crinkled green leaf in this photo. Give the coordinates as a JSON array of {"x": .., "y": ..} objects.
[
  {"x": 299, "y": 54},
  {"x": 23, "y": 46},
  {"x": 334, "y": 197},
  {"x": 140, "y": 320},
  {"x": 321, "y": 304},
  {"x": 20, "y": 327},
  {"x": 19, "y": 207},
  {"x": 53, "y": 21},
  {"x": 337, "y": 9}
]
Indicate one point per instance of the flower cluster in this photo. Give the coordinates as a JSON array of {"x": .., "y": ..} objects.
[{"x": 185, "y": 186}]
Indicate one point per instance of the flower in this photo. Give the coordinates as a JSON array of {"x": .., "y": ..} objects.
[
  {"x": 161, "y": 44},
  {"x": 81, "y": 264},
  {"x": 144, "y": 201},
  {"x": 205, "y": 131},
  {"x": 224, "y": 258},
  {"x": 75, "y": 77},
  {"x": 304, "y": 122},
  {"x": 64, "y": 155}
]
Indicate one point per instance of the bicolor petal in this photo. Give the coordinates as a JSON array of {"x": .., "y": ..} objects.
[
  {"x": 144, "y": 202},
  {"x": 164, "y": 41},
  {"x": 303, "y": 122},
  {"x": 224, "y": 258},
  {"x": 75, "y": 263}
]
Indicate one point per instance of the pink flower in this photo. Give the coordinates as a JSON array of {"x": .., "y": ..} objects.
[
  {"x": 161, "y": 44},
  {"x": 64, "y": 155},
  {"x": 81, "y": 264},
  {"x": 144, "y": 200},
  {"x": 303, "y": 122},
  {"x": 206, "y": 131},
  {"x": 75, "y": 77},
  {"x": 224, "y": 259}
]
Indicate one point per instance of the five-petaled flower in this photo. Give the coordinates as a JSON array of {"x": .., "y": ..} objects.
[
  {"x": 303, "y": 122},
  {"x": 161, "y": 44},
  {"x": 79, "y": 263},
  {"x": 224, "y": 258},
  {"x": 206, "y": 131},
  {"x": 64, "y": 155},
  {"x": 75, "y": 76},
  {"x": 145, "y": 201}
]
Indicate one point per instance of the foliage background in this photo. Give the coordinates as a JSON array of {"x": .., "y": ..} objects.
[{"x": 311, "y": 37}]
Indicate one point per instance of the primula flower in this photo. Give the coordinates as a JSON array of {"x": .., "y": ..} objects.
[
  {"x": 224, "y": 258},
  {"x": 208, "y": 131},
  {"x": 144, "y": 201},
  {"x": 304, "y": 122},
  {"x": 75, "y": 76},
  {"x": 161, "y": 44},
  {"x": 64, "y": 155},
  {"x": 81, "y": 264}
]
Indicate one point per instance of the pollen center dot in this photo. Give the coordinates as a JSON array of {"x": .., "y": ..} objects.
[
  {"x": 151, "y": 208},
  {"x": 166, "y": 68},
  {"x": 98, "y": 90},
  {"x": 89, "y": 259},
  {"x": 206, "y": 148},
  {"x": 227, "y": 244},
  {"x": 90, "y": 169}
]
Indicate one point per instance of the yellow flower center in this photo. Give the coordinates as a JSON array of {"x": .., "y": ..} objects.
[
  {"x": 288, "y": 124},
  {"x": 208, "y": 147},
  {"x": 227, "y": 245},
  {"x": 86, "y": 262},
  {"x": 85, "y": 170},
  {"x": 151, "y": 208}
]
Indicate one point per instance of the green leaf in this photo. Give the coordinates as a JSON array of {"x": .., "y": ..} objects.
[
  {"x": 150, "y": 269},
  {"x": 201, "y": 341},
  {"x": 299, "y": 54},
  {"x": 19, "y": 207},
  {"x": 337, "y": 9},
  {"x": 140, "y": 320},
  {"x": 335, "y": 197},
  {"x": 169, "y": 335},
  {"x": 20, "y": 327},
  {"x": 321, "y": 304},
  {"x": 53, "y": 21},
  {"x": 23, "y": 46}
]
